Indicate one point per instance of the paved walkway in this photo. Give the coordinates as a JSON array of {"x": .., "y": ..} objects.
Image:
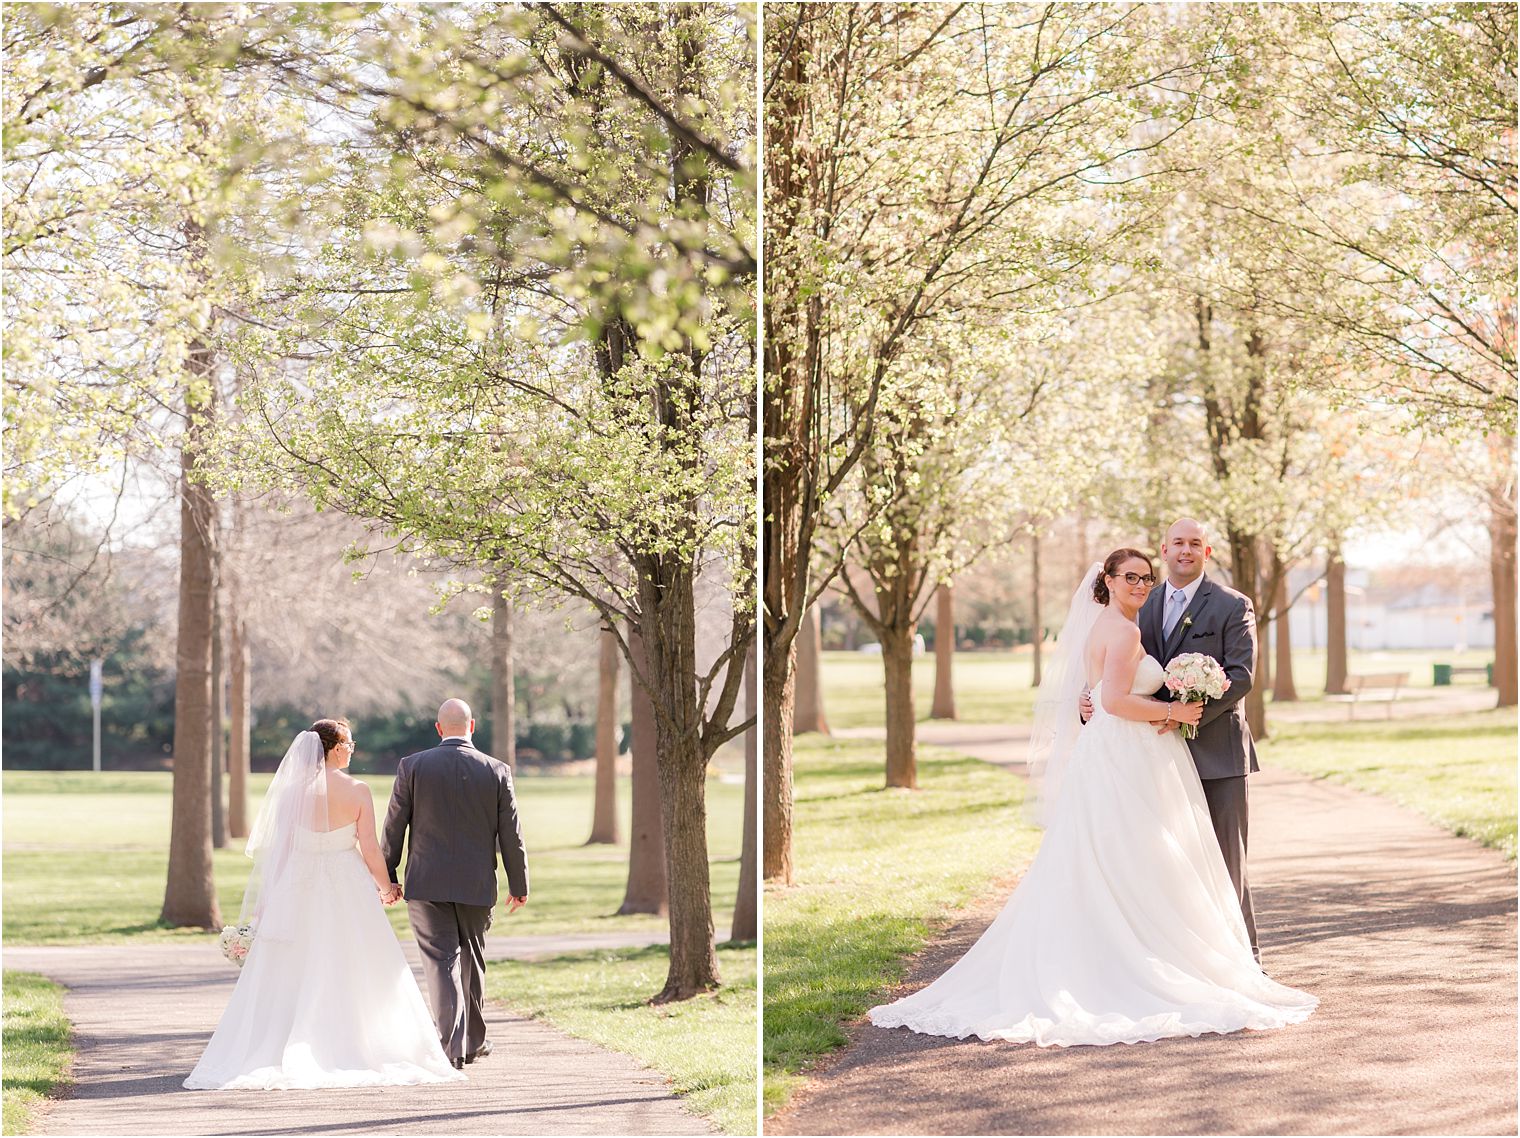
[
  {"x": 1406, "y": 934},
  {"x": 142, "y": 1014}
]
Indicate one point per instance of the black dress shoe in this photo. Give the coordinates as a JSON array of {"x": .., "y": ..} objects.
[
  {"x": 480, "y": 1052},
  {"x": 458, "y": 1064}
]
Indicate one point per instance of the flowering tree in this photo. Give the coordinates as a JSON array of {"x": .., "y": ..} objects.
[
  {"x": 525, "y": 346},
  {"x": 1405, "y": 242},
  {"x": 1348, "y": 245},
  {"x": 925, "y": 165},
  {"x": 119, "y": 178}
]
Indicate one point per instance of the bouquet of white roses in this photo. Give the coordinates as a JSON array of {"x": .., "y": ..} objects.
[
  {"x": 1194, "y": 676},
  {"x": 236, "y": 941}
]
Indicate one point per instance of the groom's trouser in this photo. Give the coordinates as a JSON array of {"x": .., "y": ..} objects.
[
  {"x": 1227, "y": 809},
  {"x": 452, "y": 938}
]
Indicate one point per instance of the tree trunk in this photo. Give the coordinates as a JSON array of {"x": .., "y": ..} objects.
[
  {"x": 668, "y": 619},
  {"x": 1247, "y": 579},
  {"x": 218, "y": 722},
  {"x": 797, "y": 470},
  {"x": 897, "y": 660},
  {"x": 1335, "y": 624},
  {"x": 1039, "y": 619},
  {"x": 503, "y": 686},
  {"x": 1502, "y": 537},
  {"x": 604, "y": 814},
  {"x": 809, "y": 714},
  {"x": 1283, "y": 689},
  {"x": 944, "y": 654},
  {"x": 746, "y": 918},
  {"x": 646, "y": 891},
  {"x": 190, "y": 890},
  {"x": 778, "y": 694},
  {"x": 1230, "y": 419},
  {"x": 1265, "y": 626},
  {"x": 683, "y": 808},
  {"x": 242, "y": 729}
]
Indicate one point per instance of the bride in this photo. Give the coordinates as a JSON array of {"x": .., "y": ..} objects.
[
  {"x": 1125, "y": 927},
  {"x": 325, "y": 998}
]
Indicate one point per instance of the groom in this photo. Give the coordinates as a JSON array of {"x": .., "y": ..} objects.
[
  {"x": 459, "y": 805},
  {"x": 1191, "y": 613}
]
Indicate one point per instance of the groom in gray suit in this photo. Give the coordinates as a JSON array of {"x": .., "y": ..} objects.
[
  {"x": 458, "y": 804},
  {"x": 1191, "y": 613}
]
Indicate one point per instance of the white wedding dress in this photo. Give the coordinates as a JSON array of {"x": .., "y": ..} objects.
[
  {"x": 1125, "y": 927},
  {"x": 326, "y": 998}
]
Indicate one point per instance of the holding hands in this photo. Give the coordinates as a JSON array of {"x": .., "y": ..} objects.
[{"x": 390, "y": 893}]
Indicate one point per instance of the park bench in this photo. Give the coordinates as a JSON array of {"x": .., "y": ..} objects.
[{"x": 1390, "y": 682}]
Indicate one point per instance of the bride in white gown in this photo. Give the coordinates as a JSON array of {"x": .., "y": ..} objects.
[
  {"x": 325, "y": 998},
  {"x": 1125, "y": 927}
]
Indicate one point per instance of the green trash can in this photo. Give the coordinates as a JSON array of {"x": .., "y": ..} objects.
[{"x": 1442, "y": 677}]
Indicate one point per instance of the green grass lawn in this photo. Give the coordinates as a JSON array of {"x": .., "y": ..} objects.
[
  {"x": 990, "y": 687},
  {"x": 86, "y": 855},
  {"x": 706, "y": 1046},
  {"x": 995, "y": 687},
  {"x": 877, "y": 872},
  {"x": 36, "y": 1045},
  {"x": 1459, "y": 773}
]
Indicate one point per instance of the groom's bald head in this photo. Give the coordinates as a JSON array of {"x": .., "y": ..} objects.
[
  {"x": 1190, "y": 526},
  {"x": 454, "y": 718},
  {"x": 1186, "y": 551}
]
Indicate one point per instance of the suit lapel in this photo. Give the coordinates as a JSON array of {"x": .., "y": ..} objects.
[
  {"x": 1189, "y": 614},
  {"x": 1150, "y": 615}
]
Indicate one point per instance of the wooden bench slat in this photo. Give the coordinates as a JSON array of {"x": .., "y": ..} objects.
[{"x": 1390, "y": 682}]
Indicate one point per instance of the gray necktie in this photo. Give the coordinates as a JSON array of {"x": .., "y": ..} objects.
[{"x": 1174, "y": 606}]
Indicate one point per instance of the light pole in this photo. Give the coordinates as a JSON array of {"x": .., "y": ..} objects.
[
  {"x": 97, "y": 686},
  {"x": 1312, "y": 596}
]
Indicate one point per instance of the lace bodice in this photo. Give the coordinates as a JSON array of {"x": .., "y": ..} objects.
[{"x": 1149, "y": 676}]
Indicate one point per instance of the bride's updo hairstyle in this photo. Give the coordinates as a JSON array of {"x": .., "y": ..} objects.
[
  {"x": 330, "y": 731},
  {"x": 1111, "y": 566}
]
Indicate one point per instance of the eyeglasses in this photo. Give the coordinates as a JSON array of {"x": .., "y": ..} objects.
[{"x": 1147, "y": 579}]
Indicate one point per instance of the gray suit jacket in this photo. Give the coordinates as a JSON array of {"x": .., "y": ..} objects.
[
  {"x": 1219, "y": 623},
  {"x": 459, "y": 805}
]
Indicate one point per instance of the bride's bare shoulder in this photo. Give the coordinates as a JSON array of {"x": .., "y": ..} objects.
[
  {"x": 345, "y": 785},
  {"x": 1116, "y": 632}
]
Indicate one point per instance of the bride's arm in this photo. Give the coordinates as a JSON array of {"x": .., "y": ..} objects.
[
  {"x": 1120, "y": 662},
  {"x": 369, "y": 848}
]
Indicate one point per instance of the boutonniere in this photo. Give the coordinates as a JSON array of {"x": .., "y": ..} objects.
[{"x": 1187, "y": 623}]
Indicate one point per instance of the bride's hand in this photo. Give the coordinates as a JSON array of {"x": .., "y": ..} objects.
[{"x": 1188, "y": 713}]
